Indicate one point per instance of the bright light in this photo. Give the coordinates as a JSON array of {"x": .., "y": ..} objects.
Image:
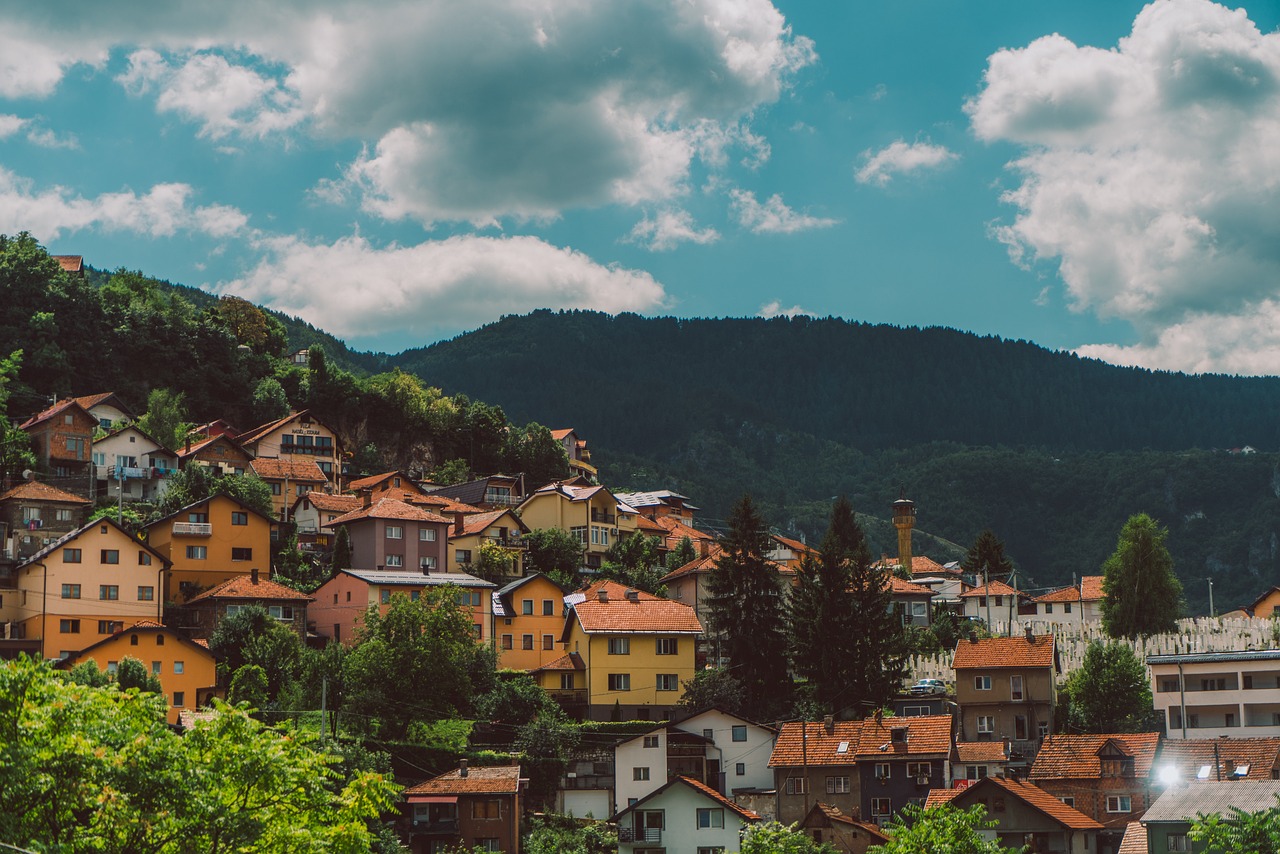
[{"x": 1168, "y": 775}]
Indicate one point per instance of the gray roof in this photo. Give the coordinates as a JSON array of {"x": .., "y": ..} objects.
[
  {"x": 1184, "y": 802},
  {"x": 1212, "y": 657},
  {"x": 649, "y": 499},
  {"x": 388, "y": 578}
]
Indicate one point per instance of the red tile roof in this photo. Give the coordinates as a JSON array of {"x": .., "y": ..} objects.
[
  {"x": 833, "y": 814},
  {"x": 901, "y": 587},
  {"x": 496, "y": 780},
  {"x": 927, "y": 734},
  {"x": 1188, "y": 756},
  {"x": 808, "y": 743},
  {"x": 699, "y": 786},
  {"x": 195, "y": 447},
  {"x": 647, "y": 615},
  {"x": 476, "y": 523},
  {"x": 1135, "y": 839},
  {"x": 441, "y": 504},
  {"x": 1028, "y": 793},
  {"x": 1092, "y": 591},
  {"x": 938, "y": 797},
  {"x": 1004, "y": 652},
  {"x": 302, "y": 471},
  {"x": 677, "y": 530},
  {"x": 979, "y": 752},
  {"x": 375, "y": 479},
  {"x": 920, "y": 565},
  {"x": 559, "y": 435},
  {"x": 89, "y": 401},
  {"x": 1075, "y": 757},
  {"x": 388, "y": 508},
  {"x": 652, "y": 528},
  {"x": 56, "y": 409},
  {"x": 572, "y": 661},
  {"x": 995, "y": 588},
  {"x": 70, "y": 263},
  {"x": 795, "y": 545},
  {"x": 339, "y": 503},
  {"x": 702, "y": 564},
  {"x": 244, "y": 587},
  {"x": 32, "y": 490}
]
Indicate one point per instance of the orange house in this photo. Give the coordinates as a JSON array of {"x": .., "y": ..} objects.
[
  {"x": 209, "y": 542},
  {"x": 297, "y": 436},
  {"x": 343, "y": 601},
  {"x": 187, "y": 669},
  {"x": 528, "y": 619}
]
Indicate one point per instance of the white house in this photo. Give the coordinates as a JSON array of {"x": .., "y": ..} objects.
[
  {"x": 1213, "y": 694},
  {"x": 131, "y": 460},
  {"x": 683, "y": 815},
  {"x": 1071, "y": 606}
]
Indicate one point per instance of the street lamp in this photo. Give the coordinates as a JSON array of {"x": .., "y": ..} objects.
[{"x": 1211, "y": 613}]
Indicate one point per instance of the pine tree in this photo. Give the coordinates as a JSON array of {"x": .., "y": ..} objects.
[
  {"x": 1142, "y": 595},
  {"x": 877, "y": 643},
  {"x": 987, "y": 553},
  {"x": 341, "y": 549},
  {"x": 746, "y": 615}
]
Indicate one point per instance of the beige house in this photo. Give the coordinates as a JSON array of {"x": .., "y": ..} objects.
[
  {"x": 1007, "y": 690},
  {"x": 297, "y": 436},
  {"x": 591, "y": 514}
]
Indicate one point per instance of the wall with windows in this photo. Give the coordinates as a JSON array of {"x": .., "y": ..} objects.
[
  {"x": 528, "y": 636},
  {"x": 398, "y": 544},
  {"x": 642, "y": 672},
  {"x": 209, "y": 543},
  {"x": 680, "y": 819},
  {"x": 799, "y": 788},
  {"x": 342, "y": 602},
  {"x": 1005, "y": 703}
]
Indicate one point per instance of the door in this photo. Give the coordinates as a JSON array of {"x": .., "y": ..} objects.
[{"x": 713, "y": 775}]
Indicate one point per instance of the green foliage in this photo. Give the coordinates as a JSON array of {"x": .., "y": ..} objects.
[
  {"x": 774, "y": 838},
  {"x": 915, "y": 830},
  {"x": 1110, "y": 692},
  {"x": 987, "y": 554},
  {"x": 450, "y": 472},
  {"x": 252, "y": 327},
  {"x": 198, "y": 483},
  {"x": 555, "y": 553},
  {"x": 1143, "y": 596},
  {"x": 1238, "y": 832},
  {"x": 713, "y": 686},
  {"x": 341, "y": 549},
  {"x": 547, "y": 740},
  {"x": 532, "y": 450},
  {"x": 88, "y": 673},
  {"x": 249, "y": 686},
  {"x": 636, "y": 562},
  {"x": 133, "y": 674},
  {"x": 270, "y": 403},
  {"x": 252, "y": 637},
  {"x": 558, "y": 834},
  {"x": 166, "y": 418},
  {"x": 130, "y": 517},
  {"x": 514, "y": 699},
  {"x": 496, "y": 563},
  {"x": 683, "y": 553},
  {"x": 449, "y": 735}
]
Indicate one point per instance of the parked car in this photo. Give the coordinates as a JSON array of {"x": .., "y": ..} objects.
[{"x": 928, "y": 688}]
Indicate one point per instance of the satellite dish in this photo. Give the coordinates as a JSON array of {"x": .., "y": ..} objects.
[{"x": 27, "y": 474}]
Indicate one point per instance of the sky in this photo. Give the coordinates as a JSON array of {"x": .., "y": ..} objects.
[{"x": 1100, "y": 176}]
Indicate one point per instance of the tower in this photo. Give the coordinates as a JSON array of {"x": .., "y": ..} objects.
[{"x": 904, "y": 519}]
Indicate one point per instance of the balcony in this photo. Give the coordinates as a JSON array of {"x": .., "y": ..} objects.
[
  {"x": 508, "y": 542},
  {"x": 569, "y": 696},
  {"x": 604, "y": 517},
  {"x": 439, "y": 825},
  {"x": 193, "y": 529}
]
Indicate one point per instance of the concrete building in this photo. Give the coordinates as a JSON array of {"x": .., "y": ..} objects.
[
  {"x": 1007, "y": 690},
  {"x": 1205, "y": 695},
  {"x": 682, "y": 815}
]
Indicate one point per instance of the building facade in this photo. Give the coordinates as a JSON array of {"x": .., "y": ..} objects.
[
  {"x": 1206, "y": 695},
  {"x": 1006, "y": 689}
]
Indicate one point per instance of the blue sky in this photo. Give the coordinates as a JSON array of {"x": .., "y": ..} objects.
[{"x": 1097, "y": 176}]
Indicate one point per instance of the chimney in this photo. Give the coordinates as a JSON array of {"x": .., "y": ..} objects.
[
  {"x": 253, "y": 575},
  {"x": 459, "y": 522},
  {"x": 1031, "y": 638},
  {"x": 1229, "y": 767},
  {"x": 632, "y": 595},
  {"x": 973, "y": 637},
  {"x": 829, "y": 724},
  {"x": 602, "y": 595},
  {"x": 704, "y": 548},
  {"x": 366, "y": 497},
  {"x": 462, "y": 767}
]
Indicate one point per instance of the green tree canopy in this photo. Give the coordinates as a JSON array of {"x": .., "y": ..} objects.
[
  {"x": 132, "y": 673},
  {"x": 1238, "y": 832},
  {"x": 915, "y": 830},
  {"x": 532, "y": 449},
  {"x": 197, "y": 483},
  {"x": 774, "y": 838},
  {"x": 1143, "y": 596},
  {"x": 166, "y": 418},
  {"x": 683, "y": 553},
  {"x": 713, "y": 686},
  {"x": 987, "y": 553},
  {"x": 251, "y": 636},
  {"x": 555, "y": 553},
  {"x": 248, "y": 685},
  {"x": 1109, "y": 691},
  {"x": 636, "y": 562}
]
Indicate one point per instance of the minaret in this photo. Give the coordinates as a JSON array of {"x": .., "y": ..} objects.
[{"x": 904, "y": 519}]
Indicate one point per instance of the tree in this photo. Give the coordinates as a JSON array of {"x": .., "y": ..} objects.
[
  {"x": 915, "y": 830},
  {"x": 1109, "y": 691},
  {"x": 132, "y": 673},
  {"x": 1239, "y": 832},
  {"x": 269, "y": 401},
  {"x": 450, "y": 472},
  {"x": 774, "y": 838},
  {"x": 987, "y": 553},
  {"x": 683, "y": 553},
  {"x": 252, "y": 636},
  {"x": 248, "y": 685},
  {"x": 496, "y": 562},
  {"x": 547, "y": 740},
  {"x": 713, "y": 686},
  {"x": 341, "y": 549},
  {"x": 635, "y": 562},
  {"x": 1142, "y": 595},
  {"x": 198, "y": 483},
  {"x": 555, "y": 553},
  {"x": 557, "y": 834},
  {"x": 166, "y": 418},
  {"x": 746, "y": 615},
  {"x": 532, "y": 449}
]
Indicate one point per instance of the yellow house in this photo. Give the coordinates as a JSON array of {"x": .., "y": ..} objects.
[
  {"x": 565, "y": 680},
  {"x": 187, "y": 669},
  {"x": 591, "y": 514},
  {"x": 637, "y": 649},
  {"x": 470, "y": 531},
  {"x": 297, "y": 436},
  {"x": 86, "y": 586},
  {"x": 209, "y": 542},
  {"x": 288, "y": 480},
  {"x": 528, "y": 619}
]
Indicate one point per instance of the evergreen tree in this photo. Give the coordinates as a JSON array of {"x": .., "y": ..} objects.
[
  {"x": 1142, "y": 595},
  {"x": 341, "y": 549},
  {"x": 987, "y": 553},
  {"x": 746, "y": 615},
  {"x": 877, "y": 645},
  {"x": 684, "y": 553}
]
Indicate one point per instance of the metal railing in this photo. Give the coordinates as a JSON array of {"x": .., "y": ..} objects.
[{"x": 193, "y": 529}]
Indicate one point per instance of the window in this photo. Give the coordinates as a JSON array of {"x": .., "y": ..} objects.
[
  {"x": 133, "y": 640},
  {"x": 1178, "y": 842},
  {"x": 489, "y": 843},
  {"x": 710, "y": 817},
  {"x": 526, "y": 641},
  {"x": 668, "y": 646},
  {"x": 883, "y": 770},
  {"x": 69, "y": 627},
  {"x": 486, "y": 808},
  {"x": 579, "y": 533},
  {"x": 1213, "y": 684},
  {"x": 1020, "y": 727},
  {"x": 240, "y": 553},
  {"x": 468, "y": 597},
  {"x": 668, "y": 682},
  {"x": 462, "y": 556},
  {"x": 508, "y": 642},
  {"x": 548, "y": 642},
  {"x": 275, "y": 489},
  {"x": 426, "y": 535},
  {"x": 144, "y": 558},
  {"x": 640, "y": 773},
  {"x": 915, "y": 711},
  {"x": 740, "y": 769},
  {"x": 715, "y": 849},
  {"x": 566, "y": 682},
  {"x": 548, "y": 607},
  {"x": 108, "y": 592},
  {"x": 29, "y": 513},
  {"x": 986, "y": 724},
  {"x": 918, "y": 609},
  {"x": 1048, "y": 607},
  {"x": 179, "y": 667},
  {"x": 619, "y": 681},
  {"x": 999, "y": 601},
  {"x": 282, "y": 612},
  {"x": 71, "y": 591},
  {"x": 385, "y": 597},
  {"x": 1066, "y": 607},
  {"x": 179, "y": 699},
  {"x": 796, "y": 786},
  {"x": 837, "y": 785},
  {"x": 651, "y": 741},
  {"x": 1015, "y": 687},
  {"x": 1069, "y": 801},
  {"x": 239, "y": 517},
  {"x": 109, "y": 627},
  {"x": 881, "y": 806},
  {"x": 70, "y": 555},
  {"x": 975, "y": 772},
  {"x": 395, "y": 560},
  {"x": 1118, "y": 803},
  {"x": 916, "y": 770},
  {"x": 619, "y": 646},
  {"x": 1167, "y": 685},
  {"x": 110, "y": 556},
  {"x": 982, "y": 683},
  {"x": 395, "y": 532},
  {"x": 146, "y": 593},
  {"x": 526, "y": 607},
  {"x": 739, "y": 733},
  {"x": 159, "y": 640},
  {"x": 426, "y": 562},
  {"x": 197, "y": 552}
]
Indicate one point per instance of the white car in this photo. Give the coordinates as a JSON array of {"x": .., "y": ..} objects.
[{"x": 928, "y": 687}]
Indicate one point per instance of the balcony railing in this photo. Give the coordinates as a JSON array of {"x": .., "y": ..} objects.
[
  {"x": 574, "y": 695},
  {"x": 604, "y": 517},
  {"x": 515, "y": 542},
  {"x": 649, "y": 834},
  {"x": 439, "y": 825},
  {"x": 193, "y": 529}
]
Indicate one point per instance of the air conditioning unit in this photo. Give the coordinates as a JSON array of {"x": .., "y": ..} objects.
[
  {"x": 922, "y": 781},
  {"x": 613, "y": 531}
]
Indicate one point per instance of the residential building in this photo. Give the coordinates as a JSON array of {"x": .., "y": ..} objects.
[
  {"x": 1025, "y": 814},
  {"x": 87, "y": 586},
  {"x": 129, "y": 461},
  {"x": 682, "y": 815},
  {"x": 1262, "y": 608},
  {"x": 899, "y": 761},
  {"x": 110, "y": 411},
  {"x": 289, "y": 480},
  {"x": 1169, "y": 819},
  {"x": 814, "y": 761},
  {"x": 977, "y": 760},
  {"x": 186, "y": 668},
  {"x": 676, "y": 531},
  {"x": 502, "y": 528},
  {"x": 1106, "y": 777},
  {"x": 586, "y": 790},
  {"x": 62, "y": 439},
  {"x": 575, "y": 449},
  {"x": 917, "y": 705},
  {"x": 638, "y": 650},
  {"x": 660, "y": 503},
  {"x": 911, "y": 602},
  {"x": 463, "y": 809},
  {"x": 391, "y": 480},
  {"x": 1213, "y": 760},
  {"x": 921, "y": 567},
  {"x": 947, "y": 589},
  {"x": 34, "y": 514},
  {"x": 1210, "y": 694},
  {"x": 997, "y": 605},
  {"x": 342, "y": 602},
  {"x": 488, "y": 493},
  {"x": 1007, "y": 690},
  {"x": 529, "y": 616},
  {"x": 209, "y": 542},
  {"x": 591, "y": 514},
  {"x": 301, "y": 436},
  {"x": 565, "y": 681},
  {"x": 311, "y": 514},
  {"x": 219, "y": 451},
  {"x": 788, "y": 552},
  {"x": 825, "y": 824},
  {"x": 218, "y": 427},
  {"x": 1072, "y": 606},
  {"x": 287, "y": 606},
  {"x": 72, "y": 264},
  {"x": 390, "y": 534}
]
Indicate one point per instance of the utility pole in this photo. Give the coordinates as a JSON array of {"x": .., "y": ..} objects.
[
  {"x": 1211, "y": 612},
  {"x": 986, "y": 586},
  {"x": 324, "y": 714}
]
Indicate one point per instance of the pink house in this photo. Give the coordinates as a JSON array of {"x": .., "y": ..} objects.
[
  {"x": 343, "y": 601},
  {"x": 392, "y": 535}
]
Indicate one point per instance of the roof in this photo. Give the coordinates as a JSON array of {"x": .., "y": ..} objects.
[
  {"x": 1184, "y": 803},
  {"x": 473, "y": 491},
  {"x": 105, "y": 520},
  {"x": 653, "y": 498},
  {"x": 57, "y": 409},
  {"x": 1135, "y": 839},
  {"x": 211, "y": 498},
  {"x": 251, "y": 436},
  {"x": 1189, "y": 756},
  {"x": 389, "y": 508},
  {"x": 325, "y": 501},
  {"x": 140, "y": 626},
  {"x": 503, "y": 605},
  {"x": 920, "y": 565},
  {"x": 196, "y": 447},
  {"x": 1028, "y": 793},
  {"x": 976, "y": 752},
  {"x": 375, "y": 479},
  {"x": 1004, "y": 652},
  {"x": 644, "y": 523},
  {"x": 441, "y": 504},
  {"x": 1091, "y": 584},
  {"x": 89, "y": 401},
  {"x": 648, "y": 614},
  {"x": 136, "y": 429},
  {"x": 702, "y": 563},
  {"x": 572, "y": 661},
  {"x": 476, "y": 523},
  {"x": 407, "y": 578},
  {"x": 1215, "y": 657},
  {"x": 1076, "y": 757},
  {"x": 70, "y": 263},
  {"x": 244, "y": 587},
  {"x": 697, "y": 786},
  {"x": 559, "y": 435},
  {"x": 677, "y": 530},
  {"x": 495, "y": 780},
  {"x": 833, "y": 815},
  {"x": 794, "y": 545},
  {"x": 926, "y": 734},
  {"x": 809, "y": 743},
  {"x": 902, "y": 587},
  {"x": 300, "y": 470},
  {"x": 33, "y": 490},
  {"x": 572, "y": 491},
  {"x": 995, "y": 588}
]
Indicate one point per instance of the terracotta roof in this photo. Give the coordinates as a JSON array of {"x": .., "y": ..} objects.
[
  {"x": 795, "y": 545},
  {"x": 325, "y": 501},
  {"x": 995, "y": 588},
  {"x": 73, "y": 535},
  {"x": 1135, "y": 839},
  {"x": 476, "y": 523},
  {"x": 647, "y": 615},
  {"x": 389, "y": 508},
  {"x": 1028, "y": 793},
  {"x": 375, "y": 479},
  {"x": 1075, "y": 757},
  {"x": 978, "y": 752},
  {"x": 938, "y": 797},
  {"x": 496, "y": 780},
  {"x": 56, "y": 409},
  {"x": 89, "y": 401},
  {"x": 926, "y": 734},
  {"x": 441, "y": 504},
  {"x": 920, "y": 565},
  {"x": 813, "y": 746},
  {"x": 244, "y": 587},
  {"x": 1004, "y": 652},
  {"x": 677, "y": 530},
  {"x": 70, "y": 263},
  {"x": 699, "y": 786},
  {"x": 902, "y": 587},
  {"x": 1188, "y": 756},
  {"x": 698, "y": 564},
  {"x": 644, "y": 523},
  {"x": 32, "y": 490},
  {"x": 559, "y": 435},
  {"x": 833, "y": 814},
  {"x": 572, "y": 661},
  {"x": 303, "y": 471},
  {"x": 188, "y": 450},
  {"x": 1092, "y": 591}
]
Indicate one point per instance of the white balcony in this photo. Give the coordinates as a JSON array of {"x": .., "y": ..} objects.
[{"x": 193, "y": 529}]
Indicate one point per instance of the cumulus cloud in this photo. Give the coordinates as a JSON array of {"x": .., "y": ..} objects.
[
  {"x": 668, "y": 229},
  {"x": 1150, "y": 176},
  {"x": 1244, "y": 343},
  {"x": 353, "y": 288},
  {"x": 772, "y": 216},
  {"x": 163, "y": 210},
  {"x": 36, "y": 135},
  {"x": 775, "y": 309},
  {"x": 902, "y": 158},
  {"x": 9, "y": 125}
]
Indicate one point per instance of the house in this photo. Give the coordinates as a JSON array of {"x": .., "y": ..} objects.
[
  {"x": 397, "y": 480},
  {"x": 208, "y": 542},
  {"x": 1209, "y": 694},
  {"x": 721, "y": 750},
  {"x": 1106, "y": 777},
  {"x": 289, "y": 480},
  {"x": 638, "y": 650},
  {"x": 590, "y": 514},
  {"x": 910, "y": 601},
  {"x": 947, "y": 590},
  {"x": 297, "y": 436},
  {"x": 287, "y": 606},
  {"x": 219, "y": 451},
  {"x": 660, "y": 503},
  {"x": 676, "y": 531},
  {"x": 1025, "y": 814},
  {"x": 110, "y": 411},
  {"x": 390, "y": 534},
  {"x": 996, "y": 604},
  {"x": 218, "y": 427},
  {"x": 1212, "y": 760},
  {"x": 311, "y": 514},
  {"x": 1135, "y": 839},
  {"x": 565, "y": 681},
  {"x": 465, "y": 808},
  {"x": 1264, "y": 607},
  {"x": 826, "y": 824},
  {"x": 129, "y": 461},
  {"x": 342, "y": 602},
  {"x": 501, "y": 527},
  {"x": 61, "y": 439},
  {"x": 899, "y": 761},
  {"x": 1072, "y": 606},
  {"x": 977, "y": 760},
  {"x": 683, "y": 815},
  {"x": 186, "y": 669},
  {"x": 34, "y": 514},
  {"x": 814, "y": 761},
  {"x": 1169, "y": 819},
  {"x": 788, "y": 552},
  {"x": 921, "y": 566},
  {"x": 529, "y": 616},
  {"x": 87, "y": 586},
  {"x": 1007, "y": 690},
  {"x": 575, "y": 449},
  {"x": 586, "y": 790},
  {"x": 489, "y": 493}
]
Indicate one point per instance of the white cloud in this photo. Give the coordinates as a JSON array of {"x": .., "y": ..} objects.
[
  {"x": 1244, "y": 343},
  {"x": 46, "y": 138},
  {"x": 33, "y": 62},
  {"x": 902, "y": 158},
  {"x": 772, "y": 216},
  {"x": 353, "y": 288},
  {"x": 1151, "y": 175},
  {"x": 775, "y": 309},
  {"x": 668, "y": 229},
  {"x": 163, "y": 210}
]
